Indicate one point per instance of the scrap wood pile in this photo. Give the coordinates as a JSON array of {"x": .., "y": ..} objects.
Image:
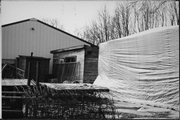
[
  {"x": 45, "y": 102},
  {"x": 11, "y": 71}
]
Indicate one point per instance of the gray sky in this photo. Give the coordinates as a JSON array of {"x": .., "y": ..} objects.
[{"x": 73, "y": 15}]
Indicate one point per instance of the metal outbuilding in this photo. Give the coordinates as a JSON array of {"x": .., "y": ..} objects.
[{"x": 33, "y": 35}]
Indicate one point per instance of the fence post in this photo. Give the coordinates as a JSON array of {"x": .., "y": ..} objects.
[
  {"x": 37, "y": 73},
  {"x": 29, "y": 70}
]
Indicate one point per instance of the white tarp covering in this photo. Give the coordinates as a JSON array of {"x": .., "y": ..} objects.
[{"x": 143, "y": 67}]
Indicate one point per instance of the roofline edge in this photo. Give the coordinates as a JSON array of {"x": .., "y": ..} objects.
[{"x": 51, "y": 27}]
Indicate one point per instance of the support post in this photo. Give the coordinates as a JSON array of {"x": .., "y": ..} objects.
[
  {"x": 29, "y": 70},
  {"x": 37, "y": 73}
]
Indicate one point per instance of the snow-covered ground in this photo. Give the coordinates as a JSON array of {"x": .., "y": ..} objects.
[{"x": 136, "y": 110}]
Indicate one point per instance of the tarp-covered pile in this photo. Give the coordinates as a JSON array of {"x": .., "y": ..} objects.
[{"x": 143, "y": 67}]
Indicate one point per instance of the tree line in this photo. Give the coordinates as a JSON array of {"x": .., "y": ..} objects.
[{"x": 131, "y": 17}]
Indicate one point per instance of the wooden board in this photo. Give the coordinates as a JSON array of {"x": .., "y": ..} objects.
[
  {"x": 15, "y": 82},
  {"x": 75, "y": 87}
]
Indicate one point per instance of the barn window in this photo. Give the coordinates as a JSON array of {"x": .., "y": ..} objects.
[{"x": 70, "y": 59}]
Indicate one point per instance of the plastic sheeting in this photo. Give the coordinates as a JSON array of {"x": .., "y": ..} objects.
[{"x": 143, "y": 67}]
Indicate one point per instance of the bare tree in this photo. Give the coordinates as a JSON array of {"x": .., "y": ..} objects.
[
  {"x": 101, "y": 30},
  {"x": 132, "y": 17},
  {"x": 122, "y": 14},
  {"x": 150, "y": 14},
  {"x": 94, "y": 33},
  {"x": 113, "y": 30},
  {"x": 174, "y": 12},
  {"x": 104, "y": 22},
  {"x": 53, "y": 22},
  {"x": 117, "y": 22}
]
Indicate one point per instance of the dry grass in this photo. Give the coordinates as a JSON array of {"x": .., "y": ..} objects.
[{"x": 43, "y": 102}]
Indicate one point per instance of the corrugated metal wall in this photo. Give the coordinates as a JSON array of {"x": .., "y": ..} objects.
[{"x": 20, "y": 39}]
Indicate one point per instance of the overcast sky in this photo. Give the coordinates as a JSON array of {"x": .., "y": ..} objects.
[{"x": 73, "y": 15}]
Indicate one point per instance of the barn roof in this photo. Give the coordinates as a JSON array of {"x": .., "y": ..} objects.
[
  {"x": 34, "y": 19},
  {"x": 68, "y": 49},
  {"x": 34, "y": 57}
]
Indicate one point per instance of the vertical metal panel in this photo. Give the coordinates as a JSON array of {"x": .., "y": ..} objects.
[{"x": 20, "y": 39}]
